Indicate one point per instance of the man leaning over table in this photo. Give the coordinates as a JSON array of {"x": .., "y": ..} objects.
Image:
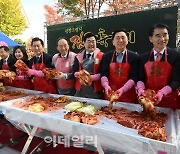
[{"x": 119, "y": 70}]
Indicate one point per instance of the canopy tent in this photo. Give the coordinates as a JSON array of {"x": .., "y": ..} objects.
[{"x": 7, "y": 40}]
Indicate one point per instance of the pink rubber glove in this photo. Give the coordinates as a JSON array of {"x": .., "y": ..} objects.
[
  {"x": 163, "y": 92},
  {"x": 20, "y": 77},
  {"x": 128, "y": 85},
  {"x": 95, "y": 77},
  {"x": 159, "y": 96},
  {"x": 76, "y": 74},
  {"x": 140, "y": 88},
  {"x": 105, "y": 84},
  {"x": 120, "y": 92},
  {"x": 35, "y": 73},
  {"x": 141, "y": 92}
]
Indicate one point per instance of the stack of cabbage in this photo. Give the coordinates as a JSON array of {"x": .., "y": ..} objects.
[{"x": 80, "y": 107}]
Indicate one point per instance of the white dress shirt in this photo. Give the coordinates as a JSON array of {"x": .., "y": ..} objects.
[{"x": 155, "y": 53}]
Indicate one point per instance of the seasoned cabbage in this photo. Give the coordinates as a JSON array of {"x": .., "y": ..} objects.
[
  {"x": 89, "y": 109},
  {"x": 73, "y": 106}
]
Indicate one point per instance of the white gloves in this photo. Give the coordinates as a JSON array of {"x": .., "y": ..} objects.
[{"x": 63, "y": 75}]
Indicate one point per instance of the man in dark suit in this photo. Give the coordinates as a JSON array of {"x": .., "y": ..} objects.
[
  {"x": 160, "y": 68},
  {"x": 40, "y": 61},
  {"x": 7, "y": 60},
  {"x": 119, "y": 69},
  {"x": 6, "y": 63}
]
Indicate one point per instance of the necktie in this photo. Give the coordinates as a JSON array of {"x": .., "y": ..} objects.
[
  {"x": 158, "y": 56},
  {"x": 36, "y": 60},
  {"x": 88, "y": 55},
  {"x": 4, "y": 61}
]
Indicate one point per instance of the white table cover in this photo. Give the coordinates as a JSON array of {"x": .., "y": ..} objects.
[{"x": 109, "y": 133}]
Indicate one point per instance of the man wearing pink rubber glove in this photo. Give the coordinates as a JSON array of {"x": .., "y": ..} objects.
[
  {"x": 119, "y": 69},
  {"x": 89, "y": 59},
  {"x": 40, "y": 61},
  {"x": 160, "y": 73}
]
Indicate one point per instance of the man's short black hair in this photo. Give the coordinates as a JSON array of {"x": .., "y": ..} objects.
[
  {"x": 5, "y": 48},
  {"x": 37, "y": 39},
  {"x": 117, "y": 31},
  {"x": 159, "y": 25},
  {"x": 88, "y": 35}
]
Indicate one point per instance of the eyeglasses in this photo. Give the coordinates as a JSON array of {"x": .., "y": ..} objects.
[{"x": 89, "y": 42}]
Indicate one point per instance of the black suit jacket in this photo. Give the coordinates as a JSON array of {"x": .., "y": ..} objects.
[
  {"x": 47, "y": 60},
  {"x": 11, "y": 61},
  {"x": 133, "y": 60},
  {"x": 173, "y": 57}
]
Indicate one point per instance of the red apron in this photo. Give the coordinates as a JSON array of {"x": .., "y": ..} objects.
[
  {"x": 118, "y": 76},
  {"x": 6, "y": 81},
  {"x": 26, "y": 83},
  {"x": 157, "y": 76},
  {"x": 40, "y": 83}
]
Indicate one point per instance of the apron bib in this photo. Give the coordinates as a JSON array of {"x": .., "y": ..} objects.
[
  {"x": 40, "y": 83},
  {"x": 118, "y": 76},
  {"x": 157, "y": 76}
]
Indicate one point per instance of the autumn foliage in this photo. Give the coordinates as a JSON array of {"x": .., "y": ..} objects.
[
  {"x": 52, "y": 16},
  {"x": 123, "y": 6},
  {"x": 73, "y": 10}
]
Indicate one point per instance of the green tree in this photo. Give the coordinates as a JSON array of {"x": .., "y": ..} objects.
[
  {"x": 71, "y": 7},
  {"x": 12, "y": 21},
  {"x": 19, "y": 41},
  {"x": 81, "y": 8}
]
